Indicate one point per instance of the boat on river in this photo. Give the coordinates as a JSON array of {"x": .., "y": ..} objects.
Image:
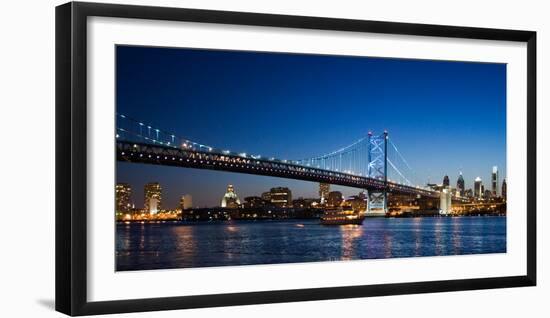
[{"x": 342, "y": 216}]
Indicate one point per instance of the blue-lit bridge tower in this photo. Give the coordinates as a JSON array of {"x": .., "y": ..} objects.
[{"x": 378, "y": 169}]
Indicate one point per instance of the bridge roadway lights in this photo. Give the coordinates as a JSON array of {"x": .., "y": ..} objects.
[{"x": 170, "y": 156}]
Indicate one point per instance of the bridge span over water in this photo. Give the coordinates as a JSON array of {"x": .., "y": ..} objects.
[{"x": 372, "y": 163}]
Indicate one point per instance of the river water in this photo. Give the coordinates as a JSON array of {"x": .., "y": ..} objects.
[{"x": 183, "y": 245}]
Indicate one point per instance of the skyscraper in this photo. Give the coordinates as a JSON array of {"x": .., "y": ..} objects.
[
  {"x": 503, "y": 189},
  {"x": 324, "y": 189},
  {"x": 460, "y": 185},
  {"x": 445, "y": 202},
  {"x": 494, "y": 182},
  {"x": 446, "y": 182},
  {"x": 478, "y": 188},
  {"x": 153, "y": 197},
  {"x": 230, "y": 199},
  {"x": 123, "y": 191}
]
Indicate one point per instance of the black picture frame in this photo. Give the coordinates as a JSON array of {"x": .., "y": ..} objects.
[{"x": 71, "y": 157}]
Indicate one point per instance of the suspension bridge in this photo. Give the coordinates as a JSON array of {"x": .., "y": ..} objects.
[{"x": 372, "y": 163}]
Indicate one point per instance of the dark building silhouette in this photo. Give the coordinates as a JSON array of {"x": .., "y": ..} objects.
[
  {"x": 460, "y": 185},
  {"x": 446, "y": 182}
]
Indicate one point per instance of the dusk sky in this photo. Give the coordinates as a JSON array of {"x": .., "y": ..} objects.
[{"x": 445, "y": 117}]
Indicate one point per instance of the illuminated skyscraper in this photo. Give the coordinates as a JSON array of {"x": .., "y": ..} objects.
[
  {"x": 460, "y": 185},
  {"x": 494, "y": 182},
  {"x": 324, "y": 189},
  {"x": 503, "y": 189},
  {"x": 123, "y": 192},
  {"x": 478, "y": 188},
  {"x": 153, "y": 197},
  {"x": 446, "y": 182},
  {"x": 230, "y": 198}
]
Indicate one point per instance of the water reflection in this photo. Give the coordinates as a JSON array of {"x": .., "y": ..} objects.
[
  {"x": 416, "y": 227},
  {"x": 350, "y": 234},
  {"x": 456, "y": 236},
  {"x": 177, "y": 245}
]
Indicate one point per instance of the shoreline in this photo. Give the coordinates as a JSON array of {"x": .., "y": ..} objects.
[{"x": 126, "y": 222}]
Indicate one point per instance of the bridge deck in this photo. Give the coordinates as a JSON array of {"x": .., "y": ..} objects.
[{"x": 169, "y": 156}]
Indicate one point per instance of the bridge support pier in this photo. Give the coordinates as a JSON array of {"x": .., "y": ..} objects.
[{"x": 377, "y": 204}]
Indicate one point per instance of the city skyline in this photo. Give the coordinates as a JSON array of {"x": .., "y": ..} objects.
[
  {"x": 464, "y": 109},
  {"x": 136, "y": 195}
]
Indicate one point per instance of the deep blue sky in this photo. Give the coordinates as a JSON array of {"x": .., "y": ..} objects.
[{"x": 444, "y": 116}]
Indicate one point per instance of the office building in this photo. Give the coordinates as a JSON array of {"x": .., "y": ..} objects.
[
  {"x": 503, "y": 189},
  {"x": 153, "y": 197},
  {"x": 494, "y": 182},
  {"x": 446, "y": 181},
  {"x": 253, "y": 202},
  {"x": 186, "y": 202},
  {"x": 324, "y": 189},
  {"x": 280, "y": 197},
  {"x": 478, "y": 188},
  {"x": 123, "y": 193},
  {"x": 460, "y": 188}
]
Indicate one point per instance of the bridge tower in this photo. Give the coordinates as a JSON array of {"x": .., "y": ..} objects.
[{"x": 378, "y": 168}]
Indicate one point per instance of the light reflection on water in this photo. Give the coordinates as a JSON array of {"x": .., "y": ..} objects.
[{"x": 177, "y": 245}]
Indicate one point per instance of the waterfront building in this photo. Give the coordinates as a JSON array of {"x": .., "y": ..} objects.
[
  {"x": 304, "y": 203},
  {"x": 446, "y": 181},
  {"x": 324, "y": 189},
  {"x": 123, "y": 192},
  {"x": 280, "y": 197},
  {"x": 335, "y": 198},
  {"x": 468, "y": 193},
  {"x": 460, "y": 184},
  {"x": 253, "y": 202},
  {"x": 186, "y": 202},
  {"x": 153, "y": 198},
  {"x": 266, "y": 197},
  {"x": 478, "y": 188},
  {"x": 230, "y": 198},
  {"x": 494, "y": 182},
  {"x": 503, "y": 189},
  {"x": 182, "y": 202}
]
